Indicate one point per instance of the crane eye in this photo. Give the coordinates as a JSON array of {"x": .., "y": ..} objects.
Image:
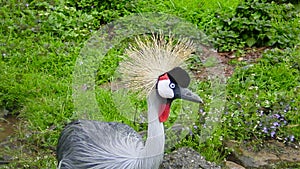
[{"x": 172, "y": 85}]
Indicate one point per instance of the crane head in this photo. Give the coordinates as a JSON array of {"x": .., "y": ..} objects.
[{"x": 173, "y": 85}]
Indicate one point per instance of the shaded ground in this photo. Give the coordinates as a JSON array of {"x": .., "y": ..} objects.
[
  {"x": 227, "y": 59},
  {"x": 269, "y": 155}
]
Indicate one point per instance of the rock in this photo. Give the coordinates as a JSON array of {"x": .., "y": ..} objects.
[
  {"x": 3, "y": 112},
  {"x": 186, "y": 158},
  {"x": 272, "y": 154},
  {"x": 233, "y": 165},
  {"x": 240, "y": 59}
]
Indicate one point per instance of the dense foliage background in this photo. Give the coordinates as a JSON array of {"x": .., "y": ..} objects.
[{"x": 40, "y": 41}]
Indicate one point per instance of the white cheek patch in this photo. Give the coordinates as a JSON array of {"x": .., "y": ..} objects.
[{"x": 164, "y": 90}]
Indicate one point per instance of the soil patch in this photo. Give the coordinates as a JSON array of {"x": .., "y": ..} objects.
[{"x": 7, "y": 126}]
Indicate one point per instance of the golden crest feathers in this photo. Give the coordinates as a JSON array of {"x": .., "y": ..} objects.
[{"x": 150, "y": 58}]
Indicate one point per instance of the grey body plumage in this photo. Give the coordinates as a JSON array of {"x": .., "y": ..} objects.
[{"x": 95, "y": 146}]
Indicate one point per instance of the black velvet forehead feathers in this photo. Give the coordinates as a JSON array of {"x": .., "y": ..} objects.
[{"x": 180, "y": 76}]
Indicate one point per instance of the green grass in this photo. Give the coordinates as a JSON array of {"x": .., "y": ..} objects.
[{"x": 40, "y": 42}]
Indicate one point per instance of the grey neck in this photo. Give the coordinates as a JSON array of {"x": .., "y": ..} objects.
[{"x": 154, "y": 145}]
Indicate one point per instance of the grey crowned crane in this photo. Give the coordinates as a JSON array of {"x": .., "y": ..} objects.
[{"x": 152, "y": 66}]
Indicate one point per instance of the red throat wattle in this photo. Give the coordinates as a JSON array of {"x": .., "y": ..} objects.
[{"x": 164, "y": 112}]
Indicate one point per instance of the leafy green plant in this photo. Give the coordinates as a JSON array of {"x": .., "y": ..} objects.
[
  {"x": 262, "y": 98},
  {"x": 255, "y": 24},
  {"x": 64, "y": 21},
  {"x": 284, "y": 1},
  {"x": 104, "y": 11}
]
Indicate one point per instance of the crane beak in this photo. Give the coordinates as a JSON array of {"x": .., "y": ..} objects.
[{"x": 186, "y": 94}]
